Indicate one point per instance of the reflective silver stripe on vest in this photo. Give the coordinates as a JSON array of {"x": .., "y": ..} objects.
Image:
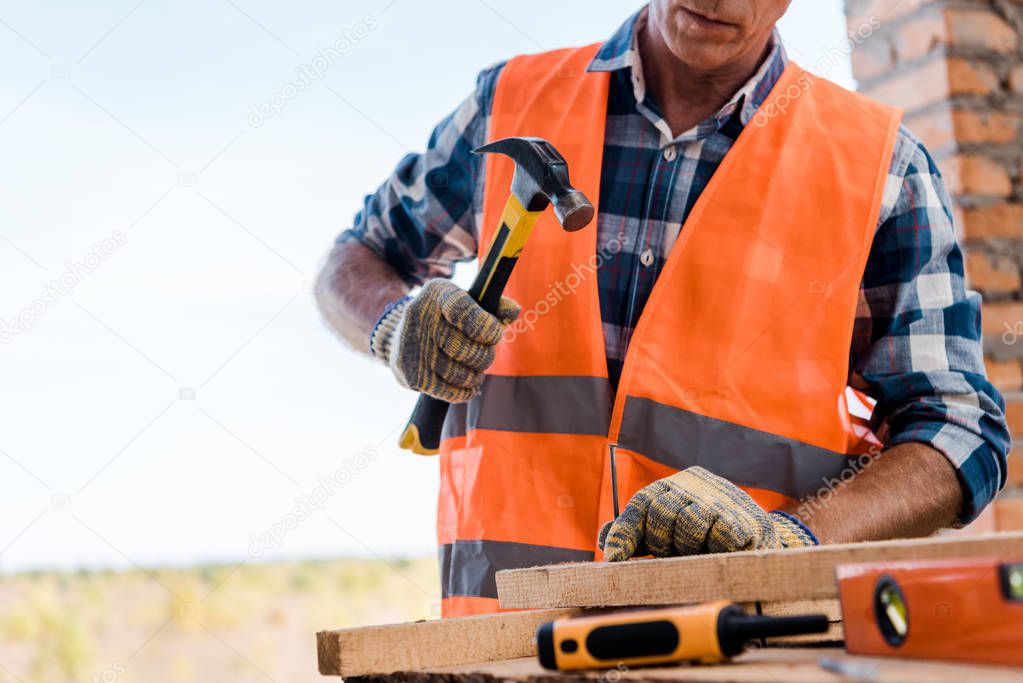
[
  {"x": 454, "y": 422},
  {"x": 469, "y": 568},
  {"x": 537, "y": 404},
  {"x": 748, "y": 457}
]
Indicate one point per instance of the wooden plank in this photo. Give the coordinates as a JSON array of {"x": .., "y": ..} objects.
[
  {"x": 423, "y": 644},
  {"x": 755, "y": 666},
  {"x": 830, "y": 608},
  {"x": 380, "y": 650},
  {"x": 775, "y": 575}
]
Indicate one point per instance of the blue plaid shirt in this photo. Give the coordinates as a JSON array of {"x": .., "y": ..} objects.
[{"x": 916, "y": 342}]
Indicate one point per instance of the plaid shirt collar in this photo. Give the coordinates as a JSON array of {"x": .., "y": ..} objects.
[{"x": 621, "y": 51}]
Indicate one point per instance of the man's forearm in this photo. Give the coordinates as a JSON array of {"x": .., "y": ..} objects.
[
  {"x": 908, "y": 490},
  {"x": 353, "y": 289}
]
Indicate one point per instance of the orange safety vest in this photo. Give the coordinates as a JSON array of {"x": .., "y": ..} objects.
[{"x": 739, "y": 362}]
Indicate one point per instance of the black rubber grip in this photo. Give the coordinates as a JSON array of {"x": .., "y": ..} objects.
[
  {"x": 423, "y": 431},
  {"x": 545, "y": 646},
  {"x": 428, "y": 419}
]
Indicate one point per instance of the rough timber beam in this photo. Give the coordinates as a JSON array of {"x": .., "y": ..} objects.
[{"x": 776, "y": 575}]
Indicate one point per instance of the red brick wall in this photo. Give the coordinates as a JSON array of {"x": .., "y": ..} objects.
[{"x": 956, "y": 67}]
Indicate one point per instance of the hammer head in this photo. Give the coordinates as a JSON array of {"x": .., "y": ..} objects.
[{"x": 541, "y": 178}]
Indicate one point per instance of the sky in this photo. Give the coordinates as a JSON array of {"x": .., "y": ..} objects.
[{"x": 170, "y": 395}]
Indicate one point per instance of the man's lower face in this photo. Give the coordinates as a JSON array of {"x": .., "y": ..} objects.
[
  {"x": 697, "y": 24},
  {"x": 704, "y": 32}
]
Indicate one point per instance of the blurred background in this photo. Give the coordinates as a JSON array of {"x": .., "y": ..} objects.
[{"x": 190, "y": 463}]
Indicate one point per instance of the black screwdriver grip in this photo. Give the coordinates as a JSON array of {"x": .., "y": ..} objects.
[{"x": 736, "y": 628}]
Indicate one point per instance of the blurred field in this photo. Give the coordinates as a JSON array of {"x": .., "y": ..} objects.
[{"x": 212, "y": 623}]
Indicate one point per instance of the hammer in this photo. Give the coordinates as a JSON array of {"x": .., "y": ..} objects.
[{"x": 541, "y": 179}]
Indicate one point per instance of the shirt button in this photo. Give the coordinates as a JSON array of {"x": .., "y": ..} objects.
[
  {"x": 670, "y": 153},
  {"x": 647, "y": 258}
]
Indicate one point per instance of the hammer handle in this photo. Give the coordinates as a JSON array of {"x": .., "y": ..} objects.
[{"x": 422, "y": 434}]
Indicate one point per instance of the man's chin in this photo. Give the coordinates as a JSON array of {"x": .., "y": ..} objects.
[{"x": 705, "y": 56}]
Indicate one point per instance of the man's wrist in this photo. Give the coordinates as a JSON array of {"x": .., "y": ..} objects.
[
  {"x": 800, "y": 534},
  {"x": 382, "y": 335}
]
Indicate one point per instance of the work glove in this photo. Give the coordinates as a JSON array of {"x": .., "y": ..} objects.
[
  {"x": 694, "y": 512},
  {"x": 440, "y": 341}
]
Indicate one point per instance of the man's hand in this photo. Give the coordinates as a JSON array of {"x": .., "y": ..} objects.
[
  {"x": 694, "y": 512},
  {"x": 442, "y": 341}
]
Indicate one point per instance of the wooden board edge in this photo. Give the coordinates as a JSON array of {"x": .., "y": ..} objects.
[
  {"x": 328, "y": 653},
  {"x": 831, "y": 608},
  {"x": 412, "y": 646},
  {"x": 356, "y": 652},
  {"x": 799, "y": 573}
]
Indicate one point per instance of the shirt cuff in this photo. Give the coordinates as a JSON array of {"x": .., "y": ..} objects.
[{"x": 388, "y": 251}]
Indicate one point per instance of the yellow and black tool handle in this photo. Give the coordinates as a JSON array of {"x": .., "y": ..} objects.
[
  {"x": 422, "y": 434},
  {"x": 709, "y": 633},
  {"x": 633, "y": 638}
]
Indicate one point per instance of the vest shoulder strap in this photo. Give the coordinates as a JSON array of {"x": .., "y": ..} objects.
[{"x": 824, "y": 111}]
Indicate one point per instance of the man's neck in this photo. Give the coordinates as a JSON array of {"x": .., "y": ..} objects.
[{"x": 687, "y": 95}]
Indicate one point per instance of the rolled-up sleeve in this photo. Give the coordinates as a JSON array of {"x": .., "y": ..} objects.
[
  {"x": 917, "y": 346},
  {"x": 422, "y": 219}
]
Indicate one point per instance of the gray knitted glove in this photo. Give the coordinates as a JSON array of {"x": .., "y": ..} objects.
[
  {"x": 694, "y": 512},
  {"x": 441, "y": 341}
]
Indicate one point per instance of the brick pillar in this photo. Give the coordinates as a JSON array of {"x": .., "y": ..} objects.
[{"x": 956, "y": 67}]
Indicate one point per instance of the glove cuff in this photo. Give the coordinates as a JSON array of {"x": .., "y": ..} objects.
[
  {"x": 792, "y": 531},
  {"x": 380, "y": 339}
]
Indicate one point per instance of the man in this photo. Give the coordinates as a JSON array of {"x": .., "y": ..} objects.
[{"x": 764, "y": 241}]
